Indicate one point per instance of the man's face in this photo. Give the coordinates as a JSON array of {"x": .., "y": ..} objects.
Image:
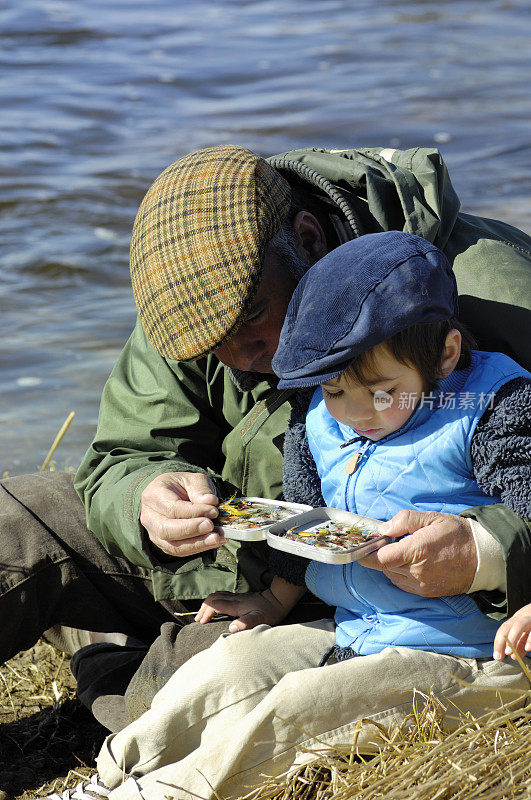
[{"x": 254, "y": 344}]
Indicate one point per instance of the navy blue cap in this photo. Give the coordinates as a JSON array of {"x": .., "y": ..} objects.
[{"x": 356, "y": 297}]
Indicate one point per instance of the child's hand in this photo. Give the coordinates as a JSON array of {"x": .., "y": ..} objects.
[
  {"x": 255, "y": 608},
  {"x": 252, "y": 609},
  {"x": 517, "y": 629}
]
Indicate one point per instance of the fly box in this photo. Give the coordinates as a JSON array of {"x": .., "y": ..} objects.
[
  {"x": 249, "y": 518},
  {"x": 328, "y": 534}
]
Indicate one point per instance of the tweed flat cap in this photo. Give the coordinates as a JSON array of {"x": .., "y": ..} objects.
[
  {"x": 356, "y": 297},
  {"x": 198, "y": 245}
]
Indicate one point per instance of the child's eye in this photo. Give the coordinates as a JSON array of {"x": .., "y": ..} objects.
[
  {"x": 331, "y": 395},
  {"x": 386, "y": 391}
]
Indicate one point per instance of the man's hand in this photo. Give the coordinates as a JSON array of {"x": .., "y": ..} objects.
[
  {"x": 177, "y": 510},
  {"x": 438, "y": 559},
  {"x": 255, "y": 608}
]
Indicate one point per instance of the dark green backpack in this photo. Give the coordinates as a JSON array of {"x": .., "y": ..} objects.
[{"x": 370, "y": 189}]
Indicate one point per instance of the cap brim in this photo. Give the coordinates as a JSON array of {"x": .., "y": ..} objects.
[{"x": 309, "y": 382}]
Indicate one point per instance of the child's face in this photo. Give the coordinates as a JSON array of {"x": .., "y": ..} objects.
[{"x": 364, "y": 407}]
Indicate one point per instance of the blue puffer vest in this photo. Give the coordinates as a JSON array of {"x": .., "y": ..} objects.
[{"x": 425, "y": 465}]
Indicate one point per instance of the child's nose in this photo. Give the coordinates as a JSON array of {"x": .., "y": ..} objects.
[{"x": 361, "y": 411}]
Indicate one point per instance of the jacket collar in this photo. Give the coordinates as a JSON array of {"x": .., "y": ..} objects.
[{"x": 247, "y": 381}]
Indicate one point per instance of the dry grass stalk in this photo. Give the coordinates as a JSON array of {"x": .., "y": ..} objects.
[
  {"x": 63, "y": 429},
  {"x": 483, "y": 759}
]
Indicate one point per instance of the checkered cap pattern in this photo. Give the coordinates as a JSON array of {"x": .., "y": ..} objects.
[{"x": 198, "y": 245}]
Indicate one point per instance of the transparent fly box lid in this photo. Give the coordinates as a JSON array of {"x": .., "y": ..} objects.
[
  {"x": 329, "y": 535},
  {"x": 248, "y": 519}
]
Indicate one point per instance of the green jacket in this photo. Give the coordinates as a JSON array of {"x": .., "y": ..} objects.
[{"x": 159, "y": 415}]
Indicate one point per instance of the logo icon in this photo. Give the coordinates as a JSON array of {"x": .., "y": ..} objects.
[{"x": 382, "y": 400}]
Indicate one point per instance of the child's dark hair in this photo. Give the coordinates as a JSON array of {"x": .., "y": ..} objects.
[{"x": 420, "y": 346}]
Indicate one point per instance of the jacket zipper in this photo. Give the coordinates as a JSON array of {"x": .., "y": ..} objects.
[{"x": 361, "y": 453}]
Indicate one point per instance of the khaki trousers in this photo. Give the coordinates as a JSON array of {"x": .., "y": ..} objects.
[{"x": 254, "y": 701}]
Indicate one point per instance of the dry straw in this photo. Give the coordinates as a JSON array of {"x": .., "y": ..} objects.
[
  {"x": 484, "y": 759},
  {"x": 487, "y": 758},
  {"x": 63, "y": 429}
]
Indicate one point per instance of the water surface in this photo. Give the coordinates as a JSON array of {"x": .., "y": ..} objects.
[{"x": 97, "y": 98}]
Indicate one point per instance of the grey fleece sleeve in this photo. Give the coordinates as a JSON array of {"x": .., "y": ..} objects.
[
  {"x": 501, "y": 447},
  {"x": 300, "y": 482},
  {"x": 287, "y": 566}
]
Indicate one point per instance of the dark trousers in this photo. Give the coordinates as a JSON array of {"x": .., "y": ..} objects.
[{"x": 53, "y": 571}]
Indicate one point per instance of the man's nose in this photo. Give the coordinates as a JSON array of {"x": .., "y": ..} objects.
[{"x": 240, "y": 352}]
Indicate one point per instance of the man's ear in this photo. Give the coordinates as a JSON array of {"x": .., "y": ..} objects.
[
  {"x": 452, "y": 351},
  {"x": 310, "y": 237}
]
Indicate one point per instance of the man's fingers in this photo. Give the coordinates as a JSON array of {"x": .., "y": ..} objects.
[
  {"x": 407, "y": 522},
  {"x": 371, "y": 561},
  {"x": 180, "y": 537},
  {"x": 389, "y": 557},
  {"x": 438, "y": 558},
  {"x": 399, "y": 555},
  {"x": 190, "y": 547},
  {"x": 200, "y": 489},
  {"x": 165, "y": 500},
  {"x": 166, "y": 504},
  {"x": 161, "y": 527},
  {"x": 174, "y": 524}
]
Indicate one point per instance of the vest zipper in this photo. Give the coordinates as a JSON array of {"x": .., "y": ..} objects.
[{"x": 361, "y": 453}]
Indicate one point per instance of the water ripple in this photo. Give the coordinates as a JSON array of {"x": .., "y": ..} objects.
[{"x": 98, "y": 97}]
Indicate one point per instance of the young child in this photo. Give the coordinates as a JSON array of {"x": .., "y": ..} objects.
[{"x": 392, "y": 426}]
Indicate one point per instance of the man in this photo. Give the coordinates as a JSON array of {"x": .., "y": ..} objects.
[{"x": 191, "y": 412}]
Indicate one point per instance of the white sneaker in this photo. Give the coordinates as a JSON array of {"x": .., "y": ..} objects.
[{"x": 86, "y": 790}]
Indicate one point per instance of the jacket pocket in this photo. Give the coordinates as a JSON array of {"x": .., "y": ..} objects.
[{"x": 461, "y": 604}]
